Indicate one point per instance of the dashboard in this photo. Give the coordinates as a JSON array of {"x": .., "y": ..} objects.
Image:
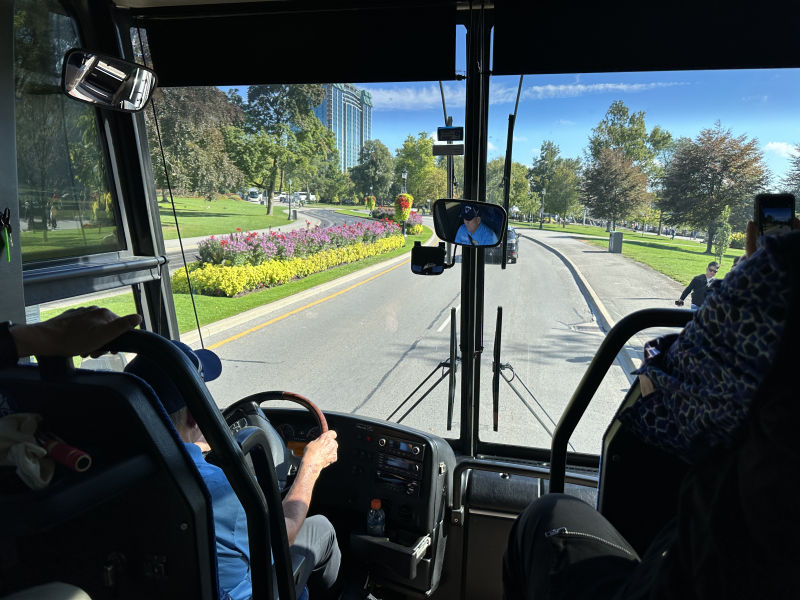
[{"x": 407, "y": 469}]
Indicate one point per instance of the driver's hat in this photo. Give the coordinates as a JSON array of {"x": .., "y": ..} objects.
[
  {"x": 206, "y": 362},
  {"x": 469, "y": 212}
]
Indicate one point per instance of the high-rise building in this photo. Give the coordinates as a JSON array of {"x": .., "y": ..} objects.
[{"x": 347, "y": 112}]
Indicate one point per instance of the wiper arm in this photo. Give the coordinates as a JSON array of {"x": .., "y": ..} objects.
[
  {"x": 450, "y": 365},
  {"x": 497, "y": 371}
]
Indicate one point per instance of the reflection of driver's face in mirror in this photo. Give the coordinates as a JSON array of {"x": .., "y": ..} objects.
[
  {"x": 473, "y": 232},
  {"x": 472, "y": 224}
]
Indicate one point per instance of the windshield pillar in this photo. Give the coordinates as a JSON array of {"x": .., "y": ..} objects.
[{"x": 472, "y": 268}]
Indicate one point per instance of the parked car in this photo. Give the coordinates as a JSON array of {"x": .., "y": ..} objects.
[{"x": 495, "y": 254}]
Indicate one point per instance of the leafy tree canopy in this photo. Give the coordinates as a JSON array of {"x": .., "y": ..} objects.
[
  {"x": 625, "y": 131},
  {"x": 613, "y": 186},
  {"x": 375, "y": 170},
  {"x": 706, "y": 174}
]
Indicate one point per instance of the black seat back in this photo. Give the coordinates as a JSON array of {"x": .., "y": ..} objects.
[
  {"x": 639, "y": 483},
  {"x": 136, "y": 524}
]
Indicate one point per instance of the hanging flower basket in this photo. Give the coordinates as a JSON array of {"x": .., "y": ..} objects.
[{"x": 402, "y": 207}]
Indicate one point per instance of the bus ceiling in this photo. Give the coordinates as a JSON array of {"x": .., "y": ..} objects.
[
  {"x": 391, "y": 40},
  {"x": 331, "y": 41}
]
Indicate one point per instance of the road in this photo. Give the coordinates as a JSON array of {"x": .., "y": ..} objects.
[{"x": 363, "y": 345}]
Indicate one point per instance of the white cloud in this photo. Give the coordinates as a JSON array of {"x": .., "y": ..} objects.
[
  {"x": 416, "y": 97},
  {"x": 566, "y": 122},
  {"x": 782, "y": 149},
  {"x": 424, "y": 97},
  {"x": 490, "y": 147},
  {"x": 520, "y": 138}
]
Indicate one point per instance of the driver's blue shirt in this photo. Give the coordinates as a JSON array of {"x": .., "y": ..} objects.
[
  {"x": 230, "y": 531},
  {"x": 483, "y": 236}
]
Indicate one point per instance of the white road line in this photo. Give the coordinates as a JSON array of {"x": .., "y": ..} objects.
[{"x": 447, "y": 320}]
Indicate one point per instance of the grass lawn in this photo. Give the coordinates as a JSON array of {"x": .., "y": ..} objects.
[
  {"x": 211, "y": 309},
  {"x": 198, "y": 217}
]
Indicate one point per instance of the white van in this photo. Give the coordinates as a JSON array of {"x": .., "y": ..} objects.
[{"x": 254, "y": 195}]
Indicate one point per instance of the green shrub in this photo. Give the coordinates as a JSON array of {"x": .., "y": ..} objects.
[{"x": 737, "y": 240}]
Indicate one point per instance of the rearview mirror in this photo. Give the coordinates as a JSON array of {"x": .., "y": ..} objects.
[
  {"x": 106, "y": 81},
  {"x": 469, "y": 223}
]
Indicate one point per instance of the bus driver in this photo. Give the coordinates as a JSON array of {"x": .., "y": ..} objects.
[{"x": 313, "y": 537}]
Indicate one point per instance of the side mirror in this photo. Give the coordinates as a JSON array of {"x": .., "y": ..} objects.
[
  {"x": 428, "y": 260},
  {"x": 469, "y": 223},
  {"x": 106, "y": 81}
]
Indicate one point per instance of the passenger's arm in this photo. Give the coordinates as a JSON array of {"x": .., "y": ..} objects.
[
  {"x": 319, "y": 454},
  {"x": 76, "y": 331}
]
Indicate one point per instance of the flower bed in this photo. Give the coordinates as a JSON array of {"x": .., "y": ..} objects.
[{"x": 244, "y": 262}]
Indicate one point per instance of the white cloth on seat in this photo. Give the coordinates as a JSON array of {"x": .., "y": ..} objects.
[
  {"x": 18, "y": 447},
  {"x": 50, "y": 591}
]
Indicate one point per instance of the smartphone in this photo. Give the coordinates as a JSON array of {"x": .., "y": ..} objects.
[{"x": 774, "y": 213}]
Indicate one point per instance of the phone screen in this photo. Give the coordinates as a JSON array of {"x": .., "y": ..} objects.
[
  {"x": 774, "y": 213},
  {"x": 776, "y": 219}
]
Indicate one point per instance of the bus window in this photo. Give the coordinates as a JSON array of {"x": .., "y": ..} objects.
[{"x": 66, "y": 205}]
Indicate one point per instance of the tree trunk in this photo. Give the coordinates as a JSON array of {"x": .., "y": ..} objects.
[
  {"x": 271, "y": 186},
  {"x": 709, "y": 238},
  {"x": 660, "y": 215}
]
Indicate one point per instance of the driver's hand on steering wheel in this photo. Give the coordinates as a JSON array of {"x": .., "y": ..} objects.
[{"x": 321, "y": 452}]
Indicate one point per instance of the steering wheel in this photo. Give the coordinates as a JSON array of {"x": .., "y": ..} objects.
[{"x": 249, "y": 409}]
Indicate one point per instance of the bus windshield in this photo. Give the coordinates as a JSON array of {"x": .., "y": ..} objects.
[{"x": 296, "y": 206}]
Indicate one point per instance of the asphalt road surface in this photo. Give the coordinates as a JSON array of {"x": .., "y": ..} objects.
[{"x": 363, "y": 345}]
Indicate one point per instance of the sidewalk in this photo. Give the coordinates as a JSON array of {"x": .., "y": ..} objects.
[{"x": 614, "y": 285}]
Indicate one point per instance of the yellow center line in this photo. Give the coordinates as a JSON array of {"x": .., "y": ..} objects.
[{"x": 302, "y": 308}]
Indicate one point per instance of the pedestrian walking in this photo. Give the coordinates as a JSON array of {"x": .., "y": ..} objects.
[{"x": 700, "y": 286}]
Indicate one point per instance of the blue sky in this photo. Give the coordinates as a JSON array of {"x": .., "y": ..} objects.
[{"x": 761, "y": 104}]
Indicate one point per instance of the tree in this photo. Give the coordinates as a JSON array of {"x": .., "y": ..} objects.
[
  {"x": 715, "y": 170},
  {"x": 563, "y": 194},
  {"x": 625, "y": 131},
  {"x": 518, "y": 192},
  {"x": 332, "y": 184},
  {"x": 416, "y": 157},
  {"x": 722, "y": 235},
  {"x": 555, "y": 181},
  {"x": 192, "y": 122},
  {"x": 375, "y": 170},
  {"x": 543, "y": 170},
  {"x": 791, "y": 182},
  {"x": 285, "y": 112},
  {"x": 613, "y": 186}
]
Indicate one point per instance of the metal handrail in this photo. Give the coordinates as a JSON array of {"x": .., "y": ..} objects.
[{"x": 614, "y": 341}]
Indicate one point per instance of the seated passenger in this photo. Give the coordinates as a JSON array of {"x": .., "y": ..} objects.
[
  {"x": 722, "y": 396},
  {"x": 312, "y": 537},
  {"x": 472, "y": 232}
]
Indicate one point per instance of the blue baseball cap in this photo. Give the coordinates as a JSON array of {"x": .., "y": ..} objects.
[
  {"x": 207, "y": 363},
  {"x": 469, "y": 212}
]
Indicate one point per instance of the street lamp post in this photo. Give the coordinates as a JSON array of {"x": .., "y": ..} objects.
[{"x": 290, "y": 199}]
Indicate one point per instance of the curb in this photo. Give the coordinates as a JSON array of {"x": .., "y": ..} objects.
[{"x": 604, "y": 318}]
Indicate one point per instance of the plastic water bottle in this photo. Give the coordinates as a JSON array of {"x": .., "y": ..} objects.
[{"x": 376, "y": 518}]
